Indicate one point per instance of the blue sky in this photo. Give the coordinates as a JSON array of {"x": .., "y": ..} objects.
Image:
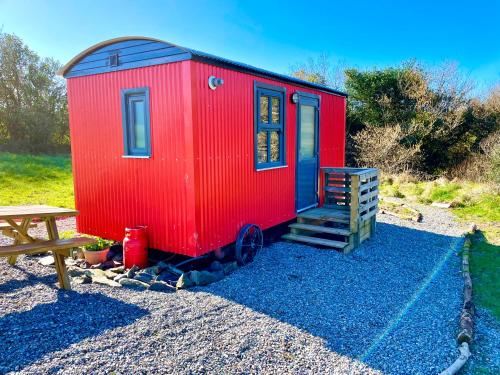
[{"x": 275, "y": 34}]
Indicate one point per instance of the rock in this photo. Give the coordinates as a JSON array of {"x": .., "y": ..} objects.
[
  {"x": 166, "y": 276},
  {"x": 47, "y": 260},
  {"x": 119, "y": 277},
  {"x": 108, "y": 264},
  {"x": 173, "y": 269},
  {"x": 104, "y": 281},
  {"x": 144, "y": 277},
  {"x": 441, "y": 204},
  {"x": 110, "y": 274},
  {"x": 194, "y": 276},
  {"x": 133, "y": 284},
  {"x": 114, "y": 250},
  {"x": 230, "y": 267},
  {"x": 119, "y": 269},
  {"x": 160, "y": 286},
  {"x": 216, "y": 266},
  {"x": 418, "y": 217},
  {"x": 83, "y": 264},
  {"x": 81, "y": 280},
  {"x": 71, "y": 262},
  {"x": 153, "y": 271},
  {"x": 206, "y": 277},
  {"x": 131, "y": 272},
  {"x": 76, "y": 271},
  {"x": 95, "y": 272},
  {"x": 162, "y": 266},
  {"x": 219, "y": 275},
  {"x": 184, "y": 282},
  {"x": 104, "y": 266}
]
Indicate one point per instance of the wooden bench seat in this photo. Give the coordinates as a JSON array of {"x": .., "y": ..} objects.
[{"x": 59, "y": 248}]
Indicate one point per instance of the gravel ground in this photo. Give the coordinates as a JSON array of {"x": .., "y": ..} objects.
[{"x": 390, "y": 307}]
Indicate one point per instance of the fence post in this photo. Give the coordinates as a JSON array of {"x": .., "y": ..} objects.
[{"x": 354, "y": 217}]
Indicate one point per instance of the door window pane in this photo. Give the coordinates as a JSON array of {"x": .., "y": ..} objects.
[
  {"x": 262, "y": 147},
  {"x": 275, "y": 146},
  {"x": 139, "y": 124},
  {"x": 307, "y": 114},
  {"x": 275, "y": 110},
  {"x": 264, "y": 109}
]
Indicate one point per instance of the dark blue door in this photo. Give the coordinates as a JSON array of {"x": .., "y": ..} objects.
[{"x": 307, "y": 151}]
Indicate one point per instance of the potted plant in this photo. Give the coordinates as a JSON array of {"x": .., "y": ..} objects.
[{"x": 95, "y": 254}]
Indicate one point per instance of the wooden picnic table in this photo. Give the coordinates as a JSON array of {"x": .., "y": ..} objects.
[{"x": 18, "y": 220}]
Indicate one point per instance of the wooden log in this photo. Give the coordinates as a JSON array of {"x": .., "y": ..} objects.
[
  {"x": 467, "y": 294},
  {"x": 469, "y": 308},
  {"x": 466, "y": 317},
  {"x": 460, "y": 361}
]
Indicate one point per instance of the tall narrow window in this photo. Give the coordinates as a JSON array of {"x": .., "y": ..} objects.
[
  {"x": 135, "y": 113},
  {"x": 269, "y": 126}
]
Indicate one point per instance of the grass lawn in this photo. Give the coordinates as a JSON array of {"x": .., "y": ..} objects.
[
  {"x": 27, "y": 179},
  {"x": 472, "y": 203},
  {"x": 485, "y": 267}
]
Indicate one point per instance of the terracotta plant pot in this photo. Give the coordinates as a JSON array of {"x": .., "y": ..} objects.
[{"x": 96, "y": 257}]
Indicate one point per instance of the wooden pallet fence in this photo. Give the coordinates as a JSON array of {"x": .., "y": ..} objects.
[{"x": 354, "y": 190}]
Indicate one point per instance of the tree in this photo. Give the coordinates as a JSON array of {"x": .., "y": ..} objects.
[
  {"x": 33, "y": 109},
  {"x": 320, "y": 71},
  {"x": 430, "y": 110}
]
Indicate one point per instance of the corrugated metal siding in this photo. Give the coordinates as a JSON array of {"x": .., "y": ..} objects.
[
  {"x": 332, "y": 134},
  {"x": 229, "y": 192},
  {"x": 114, "y": 192},
  {"x": 200, "y": 186}
]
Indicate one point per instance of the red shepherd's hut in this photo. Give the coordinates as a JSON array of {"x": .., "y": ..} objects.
[{"x": 194, "y": 146}]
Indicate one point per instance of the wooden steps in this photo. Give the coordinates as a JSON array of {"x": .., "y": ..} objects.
[
  {"x": 326, "y": 214},
  {"x": 322, "y": 226},
  {"x": 321, "y": 229},
  {"x": 315, "y": 241}
]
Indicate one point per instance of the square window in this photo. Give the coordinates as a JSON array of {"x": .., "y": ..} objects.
[{"x": 113, "y": 59}]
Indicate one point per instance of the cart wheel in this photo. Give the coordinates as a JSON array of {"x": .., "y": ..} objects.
[{"x": 249, "y": 242}]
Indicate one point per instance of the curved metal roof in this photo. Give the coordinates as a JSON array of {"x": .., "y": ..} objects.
[{"x": 191, "y": 54}]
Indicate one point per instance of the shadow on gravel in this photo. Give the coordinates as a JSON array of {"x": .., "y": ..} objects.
[
  {"x": 13, "y": 285},
  {"x": 392, "y": 301},
  {"x": 26, "y": 337}
]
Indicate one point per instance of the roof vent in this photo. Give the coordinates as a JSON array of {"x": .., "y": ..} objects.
[{"x": 113, "y": 59}]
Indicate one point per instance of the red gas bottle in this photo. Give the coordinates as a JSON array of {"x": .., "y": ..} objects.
[{"x": 135, "y": 247}]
